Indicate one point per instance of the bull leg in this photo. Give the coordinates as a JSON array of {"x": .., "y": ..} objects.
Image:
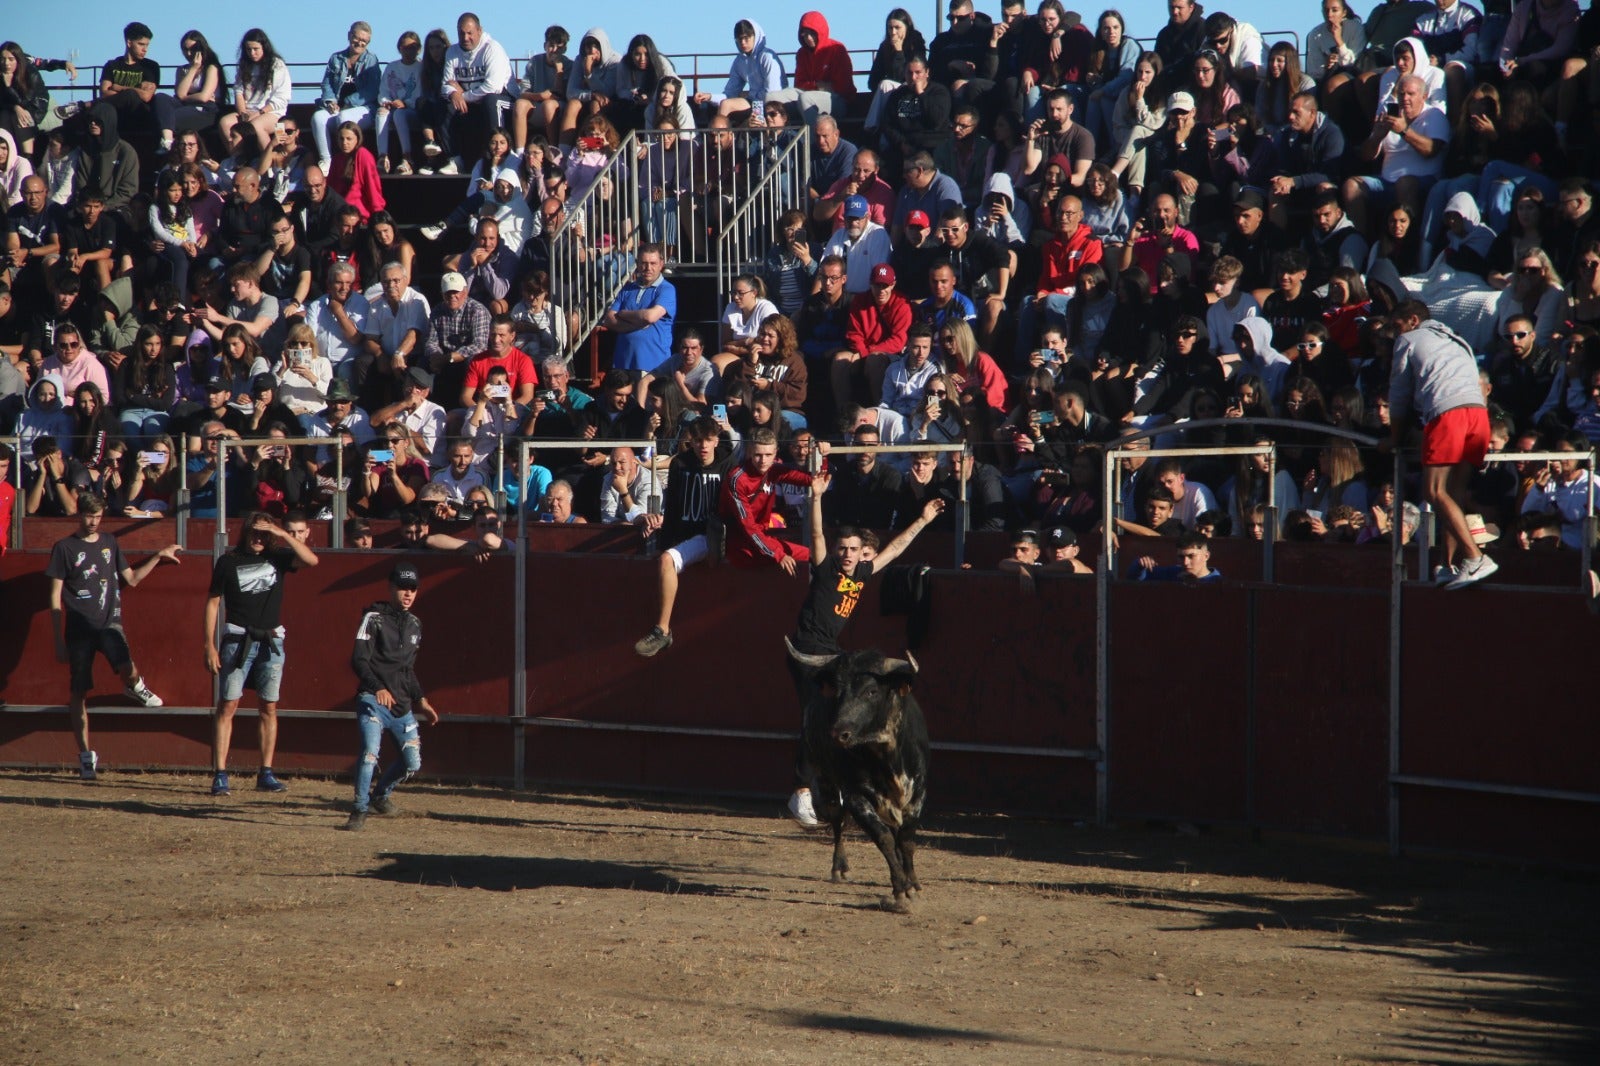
[
  {"x": 873, "y": 826},
  {"x": 906, "y": 839},
  {"x": 841, "y": 865}
]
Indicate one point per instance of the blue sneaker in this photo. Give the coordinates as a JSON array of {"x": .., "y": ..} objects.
[
  {"x": 267, "y": 781},
  {"x": 219, "y": 783}
]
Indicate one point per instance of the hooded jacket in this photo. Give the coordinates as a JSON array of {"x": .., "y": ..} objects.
[
  {"x": 1432, "y": 76},
  {"x": 1342, "y": 246},
  {"x": 1017, "y": 222},
  {"x": 39, "y": 419},
  {"x": 602, "y": 78},
  {"x": 484, "y": 71},
  {"x": 1434, "y": 371},
  {"x": 755, "y": 75},
  {"x": 1311, "y": 159},
  {"x": 828, "y": 62},
  {"x": 108, "y": 164},
  {"x": 1065, "y": 257},
  {"x": 1272, "y": 365},
  {"x": 12, "y": 175},
  {"x": 119, "y": 331},
  {"x": 1451, "y": 35},
  {"x": 385, "y": 655},
  {"x": 1469, "y": 252}
]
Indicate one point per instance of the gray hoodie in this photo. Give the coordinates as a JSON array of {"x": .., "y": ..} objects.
[
  {"x": 602, "y": 78},
  {"x": 1434, "y": 371},
  {"x": 40, "y": 419}
]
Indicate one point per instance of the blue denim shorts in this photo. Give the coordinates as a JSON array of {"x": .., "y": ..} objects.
[{"x": 261, "y": 667}]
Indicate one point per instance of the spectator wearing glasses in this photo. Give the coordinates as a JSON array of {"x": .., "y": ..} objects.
[
  {"x": 73, "y": 365},
  {"x": 1584, "y": 289},
  {"x": 967, "y": 155},
  {"x": 1535, "y": 292},
  {"x": 861, "y": 243},
  {"x": 863, "y": 181},
  {"x": 350, "y": 90}
]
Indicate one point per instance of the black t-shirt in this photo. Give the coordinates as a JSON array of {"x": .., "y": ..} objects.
[
  {"x": 90, "y": 573},
  {"x": 251, "y": 586},
  {"x": 283, "y": 273},
  {"x": 130, "y": 74},
  {"x": 829, "y": 604},
  {"x": 97, "y": 238},
  {"x": 1289, "y": 317}
]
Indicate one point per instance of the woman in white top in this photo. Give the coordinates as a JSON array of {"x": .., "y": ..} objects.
[
  {"x": 398, "y": 93},
  {"x": 261, "y": 90},
  {"x": 741, "y": 320},
  {"x": 304, "y": 374}
]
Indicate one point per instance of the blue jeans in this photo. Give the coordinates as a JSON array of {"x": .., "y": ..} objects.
[
  {"x": 141, "y": 425},
  {"x": 1497, "y": 190},
  {"x": 374, "y": 719}
]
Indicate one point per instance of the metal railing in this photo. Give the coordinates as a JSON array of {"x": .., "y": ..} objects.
[
  {"x": 592, "y": 252},
  {"x": 773, "y": 181}
]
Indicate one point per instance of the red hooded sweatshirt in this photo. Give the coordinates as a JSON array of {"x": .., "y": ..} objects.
[
  {"x": 827, "y": 62},
  {"x": 1064, "y": 257}
]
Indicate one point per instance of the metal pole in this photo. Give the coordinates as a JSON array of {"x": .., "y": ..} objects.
[
  {"x": 1269, "y": 528},
  {"x": 519, "y": 653},
  {"x": 19, "y": 501},
  {"x": 1102, "y": 687},
  {"x": 183, "y": 493},
  {"x": 1588, "y": 530},
  {"x": 1397, "y": 570},
  {"x": 341, "y": 498},
  {"x": 962, "y": 523}
]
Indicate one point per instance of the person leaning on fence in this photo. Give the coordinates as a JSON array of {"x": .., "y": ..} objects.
[
  {"x": 1435, "y": 373},
  {"x": 86, "y": 572},
  {"x": 248, "y": 583},
  {"x": 388, "y": 693}
]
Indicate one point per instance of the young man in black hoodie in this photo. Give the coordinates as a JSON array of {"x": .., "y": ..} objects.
[{"x": 384, "y": 660}]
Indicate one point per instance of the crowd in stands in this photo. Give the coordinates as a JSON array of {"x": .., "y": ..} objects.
[{"x": 1043, "y": 236}]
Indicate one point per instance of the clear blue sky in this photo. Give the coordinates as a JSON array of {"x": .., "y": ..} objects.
[{"x": 305, "y": 32}]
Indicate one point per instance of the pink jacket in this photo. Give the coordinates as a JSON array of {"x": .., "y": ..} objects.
[{"x": 358, "y": 181}]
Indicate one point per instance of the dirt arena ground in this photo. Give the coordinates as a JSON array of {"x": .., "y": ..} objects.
[{"x": 141, "y": 921}]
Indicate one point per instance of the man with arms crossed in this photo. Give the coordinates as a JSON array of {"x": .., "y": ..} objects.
[
  {"x": 84, "y": 571},
  {"x": 249, "y": 582}
]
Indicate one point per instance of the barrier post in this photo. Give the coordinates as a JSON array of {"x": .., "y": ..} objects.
[
  {"x": 183, "y": 493},
  {"x": 1397, "y": 573},
  {"x": 341, "y": 499},
  {"x": 1588, "y": 531},
  {"x": 519, "y": 651},
  {"x": 1269, "y": 528},
  {"x": 962, "y": 525}
]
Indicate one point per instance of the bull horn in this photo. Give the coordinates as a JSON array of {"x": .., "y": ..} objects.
[
  {"x": 892, "y": 666},
  {"x": 814, "y": 661}
]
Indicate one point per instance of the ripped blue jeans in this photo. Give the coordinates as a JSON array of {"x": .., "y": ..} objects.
[{"x": 375, "y": 719}]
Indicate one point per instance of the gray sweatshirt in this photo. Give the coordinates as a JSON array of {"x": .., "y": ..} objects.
[{"x": 1434, "y": 371}]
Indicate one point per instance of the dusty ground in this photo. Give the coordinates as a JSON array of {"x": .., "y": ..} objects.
[{"x": 141, "y": 921}]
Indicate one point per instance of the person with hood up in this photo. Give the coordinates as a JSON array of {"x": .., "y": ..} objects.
[
  {"x": 824, "y": 77},
  {"x": 477, "y": 77},
  {"x": 1000, "y": 216},
  {"x": 1435, "y": 373},
  {"x": 1253, "y": 338},
  {"x": 1467, "y": 239},
  {"x": 504, "y": 203},
  {"x": 1411, "y": 58},
  {"x": 591, "y": 83},
  {"x": 14, "y": 169},
  {"x": 755, "y": 72},
  {"x": 44, "y": 415},
  {"x": 388, "y": 693},
  {"x": 108, "y": 165}
]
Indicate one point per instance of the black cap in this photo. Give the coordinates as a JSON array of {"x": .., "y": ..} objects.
[
  {"x": 1250, "y": 198},
  {"x": 404, "y": 576},
  {"x": 1025, "y": 536},
  {"x": 263, "y": 382},
  {"x": 219, "y": 384},
  {"x": 1062, "y": 537}
]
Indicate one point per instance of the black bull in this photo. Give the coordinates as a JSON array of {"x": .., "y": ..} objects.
[{"x": 866, "y": 747}]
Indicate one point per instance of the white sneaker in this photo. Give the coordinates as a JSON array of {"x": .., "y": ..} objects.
[
  {"x": 66, "y": 111},
  {"x": 88, "y": 762},
  {"x": 404, "y": 168},
  {"x": 432, "y": 233},
  {"x": 140, "y": 693},
  {"x": 1470, "y": 573},
  {"x": 800, "y": 809},
  {"x": 432, "y": 149},
  {"x": 1444, "y": 573},
  {"x": 452, "y": 167}
]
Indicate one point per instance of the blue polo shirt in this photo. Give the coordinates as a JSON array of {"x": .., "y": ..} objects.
[{"x": 645, "y": 349}]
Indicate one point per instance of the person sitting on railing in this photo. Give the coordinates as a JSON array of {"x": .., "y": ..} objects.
[
  {"x": 591, "y": 83},
  {"x": 824, "y": 76},
  {"x": 755, "y": 72},
  {"x": 634, "y": 83},
  {"x": 350, "y": 90},
  {"x": 541, "y": 91},
  {"x": 901, "y": 41},
  {"x": 261, "y": 90},
  {"x": 477, "y": 77},
  {"x": 24, "y": 97},
  {"x": 399, "y": 92}
]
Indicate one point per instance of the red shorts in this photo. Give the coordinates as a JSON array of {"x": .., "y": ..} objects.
[{"x": 1460, "y": 435}]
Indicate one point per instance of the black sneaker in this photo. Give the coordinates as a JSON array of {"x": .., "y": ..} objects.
[
  {"x": 384, "y": 805},
  {"x": 655, "y": 640},
  {"x": 357, "y": 822}
]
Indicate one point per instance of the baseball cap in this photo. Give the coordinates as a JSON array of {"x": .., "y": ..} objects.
[
  {"x": 263, "y": 382},
  {"x": 418, "y": 376},
  {"x": 219, "y": 384},
  {"x": 1025, "y": 536},
  {"x": 339, "y": 389},
  {"x": 1249, "y": 198},
  {"x": 918, "y": 218},
  {"x": 1062, "y": 537},
  {"x": 856, "y": 207},
  {"x": 404, "y": 576},
  {"x": 882, "y": 274},
  {"x": 1180, "y": 102},
  {"x": 453, "y": 282}
]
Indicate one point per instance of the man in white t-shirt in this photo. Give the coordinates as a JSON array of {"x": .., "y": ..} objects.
[
  {"x": 861, "y": 243},
  {"x": 1189, "y": 502},
  {"x": 394, "y": 332},
  {"x": 1410, "y": 140},
  {"x": 461, "y": 475}
]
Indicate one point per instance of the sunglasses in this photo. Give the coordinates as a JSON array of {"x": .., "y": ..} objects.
[
  {"x": 1530, "y": 271},
  {"x": 1189, "y": 334},
  {"x": 1306, "y": 346},
  {"x": 1517, "y": 335},
  {"x": 941, "y": 393}
]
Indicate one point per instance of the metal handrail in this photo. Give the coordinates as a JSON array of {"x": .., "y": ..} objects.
[
  {"x": 783, "y": 185},
  {"x": 609, "y": 206}
]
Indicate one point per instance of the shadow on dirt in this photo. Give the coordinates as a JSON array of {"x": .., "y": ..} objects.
[{"x": 891, "y": 1027}]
